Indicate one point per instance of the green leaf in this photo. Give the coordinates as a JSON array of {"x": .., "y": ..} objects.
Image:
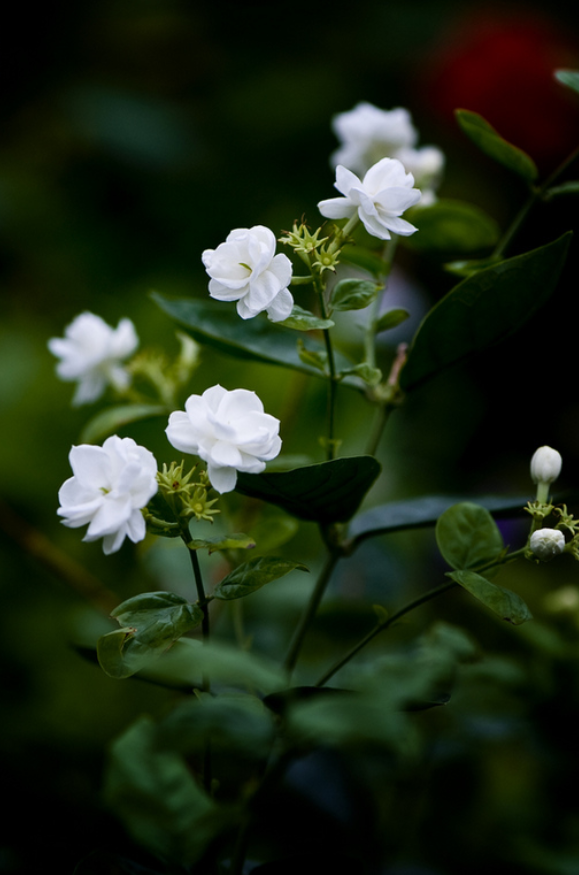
[
  {"x": 151, "y": 623},
  {"x": 237, "y": 541},
  {"x": 391, "y": 319},
  {"x": 109, "y": 421},
  {"x": 219, "y": 326},
  {"x": 468, "y": 536},
  {"x": 354, "y": 294},
  {"x": 366, "y": 372},
  {"x": 252, "y": 575},
  {"x": 414, "y": 513},
  {"x": 492, "y": 144},
  {"x": 189, "y": 662},
  {"x": 313, "y": 358},
  {"x": 484, "y": 309},
  {"x": 450, "y": 226},
  {"x": 235, "y": 722},
  {"x": 467, "y": 268},
  {"x": 505, "y": 604},
  {"x": 571, "y": 187},
  {"x": 326, "y": 493},
  {"x": 570, "y": 78},
  {"x": 303, "y": 320},
  {"x": 365, "y": 259},
  {"x": 154, "y": 794}
]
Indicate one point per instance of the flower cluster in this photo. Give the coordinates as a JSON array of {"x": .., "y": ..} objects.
[
  {"x": 110, "y": 486},
  {"x": 379, "y": 199},
  {"x": 91, "y": 353},
  {"x": 246, "y": 269},
  {"x": 229, "y": 431},
  {"x": 368, "y": 134}
]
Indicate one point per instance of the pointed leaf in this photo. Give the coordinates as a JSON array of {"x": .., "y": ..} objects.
[
  {"x": 215, "y": 324},
  {"x": 313, "y": 358},
  {"x": 391, "y": 319},
  {"x": 571, "y": 187},
  {"x": 492, "y": 144},
  {"x": 505, "y": 604},
  {"x": 366, "y": 372},
  {"x": 570, "y": 78},
  {"x": 449, "y": 226},
  {"x": 237, "y": 541},
  {"x": 467, "y": 268},
  {"x": 468, "y": 536},
  {"x": 483, "y": 309},
  {"x": 353, "y": 294},
  {"x": 303, "y": 320},
  {"x": 326, "y": 493},
  {"x": 252, "y": 575},
  {"x": 151, "y": 622},
  {"x": 416, "y": 513},
  {"x": 109, "y": 421}
]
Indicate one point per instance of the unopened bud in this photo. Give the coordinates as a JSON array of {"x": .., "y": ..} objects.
[
  {"x": 547, "y": 543},
  {"x": 546, "y": 465}
]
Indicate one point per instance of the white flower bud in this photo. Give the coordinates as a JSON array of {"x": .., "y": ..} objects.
[
  {"x": 545, "y": 465},
  {"x": 547, "y": 543}
]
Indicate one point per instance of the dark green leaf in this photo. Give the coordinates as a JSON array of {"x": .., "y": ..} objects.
[
  {"x": 328, "y": 492},
  {"x": 237, "y": 541},
  {"x": 151, "y": 623},
  {"x": 109, "y": 421},
  {"x": 570, "y": 78},
  {"x": 365, "y": 259},
  {"x": 468, "y": 536},
  {"x": 449, "y": 226},
  {"x": 231, "y": 722},
  {"x": 492, "y": 144},
  {"x": 415, "y": 513},
  {"x": 303, "y": 320},
  {"x": 484, "y": 309},
  {"x": 252, "y": 575},
  {"x": 154, "y": 794},
  {"x": 391, "y": 319},
  {"x": 505, "y": 604},
  {"x": 564, "y": 189},
  {"x": 353, "y": 294},
  {"x": 217, "y": 325}
]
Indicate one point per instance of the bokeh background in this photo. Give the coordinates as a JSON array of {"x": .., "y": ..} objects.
[{"x": 133, "y": 135}]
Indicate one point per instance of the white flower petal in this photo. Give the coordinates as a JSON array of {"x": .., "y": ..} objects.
[
  {"x": 222, "y": 479},
  {"x": 281, "y": 306},
  {"x": 337, "y": 208}
]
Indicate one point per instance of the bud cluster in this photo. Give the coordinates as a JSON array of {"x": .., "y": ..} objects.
[{"x": 185, "y": 498}]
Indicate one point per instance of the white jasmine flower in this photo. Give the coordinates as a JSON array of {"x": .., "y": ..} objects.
[
  {"x": 91, "y": 352},
  {"x": 368, "y": 134},
  {"x": 545, "y": 465},
  {"x": 109, "y": 487},
  {"x": 229, "y": 431},
  {"x": 246, "y": 269},
  {"x": 547, "y": 543},
  {"x": 379, "y": 199},
  {"x": 426, "y": 165}
]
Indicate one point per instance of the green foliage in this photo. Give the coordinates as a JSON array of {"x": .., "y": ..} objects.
[
  {"x": 237, "y": 541},
  {"x": 366, "y": 259},
  {"x": 153, "y": 792},
  {"x": 449, "y": 226},
  {"x": 303, "y": 320},
  {"x": 505, "y": 604},
  {"x": 151, "y": 623},
  {"x": 391, "y": 319},
  {"x": 109, "y": 421},
  {"x": 328, "y": 492},
  {"x": 467, "y": 536},
  {"x": 415, "y": 513},
  {"x": 251, "y": 576},
  {"x": 492, "y": 144},
  {"x": 483, "y": 309},
  {"x": 353, "y": 294},
  {"x": 371, "y": 376},
  {"x": 570, "y": 78},
  {"x": 566, "y": 188}
]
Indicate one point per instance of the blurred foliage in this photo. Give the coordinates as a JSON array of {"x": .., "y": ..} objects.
[{"x": 133, "y": 136}]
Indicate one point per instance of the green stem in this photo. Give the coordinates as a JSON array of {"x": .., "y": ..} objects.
[
  {"x": 310, "y": 612},
  {"x": 343, "y": 233},
  {"x": 370, "y": 334},
  {"x": 380, "y": 420},
  {"x": 332, "y": 381},
  {"x": 380, "y": 627}
]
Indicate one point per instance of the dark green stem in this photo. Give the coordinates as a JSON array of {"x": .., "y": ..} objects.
[
  {"x": 310, "y": 612},
  {"x": 381, "y": 627}
]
